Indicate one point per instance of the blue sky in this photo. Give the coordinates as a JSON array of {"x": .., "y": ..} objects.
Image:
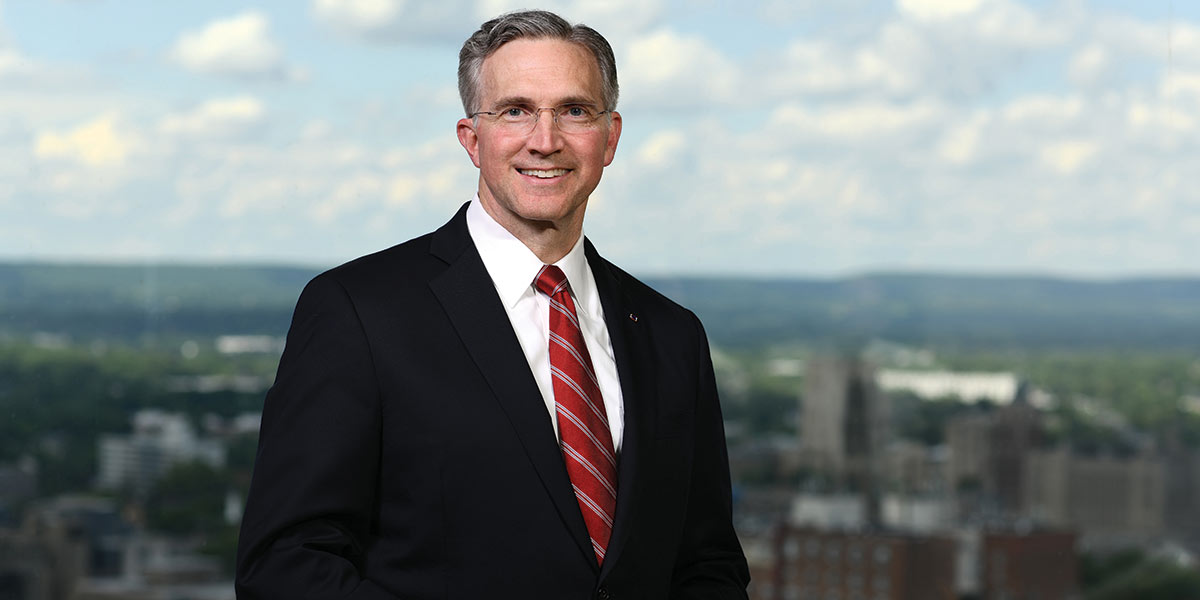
[{"x": 781, "y": 137}]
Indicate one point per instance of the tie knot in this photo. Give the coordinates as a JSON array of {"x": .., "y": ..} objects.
[{"x": 550, "y": 280}]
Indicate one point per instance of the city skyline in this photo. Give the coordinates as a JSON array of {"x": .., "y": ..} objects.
[{"x": 778, "y": 138}]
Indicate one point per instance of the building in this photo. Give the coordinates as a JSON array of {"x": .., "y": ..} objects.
[
  {"x": 844, "y": 423},
  {"x": 1036, "y": 564},
  {"x": 1183, "y": 496},
  {"x": 81, "y": 548},
  {"x": 18, "y": 483},
  {"x": 987, "y": 454},
  {"x": 914, "y": 468},
  {"x": 61, "y": 541},
  {"x": 760, "y": 558},
  {"x": 764, "y": 460},
  {"x": 969, "y": 387},
  {"x": 157, "y": 567},
  {"x": 1111, "y": 501},
  {"x": 159, "y": 441},
  {"x": 967, "y": 440},
  {"x": 911, "y": 514},
  {"x": 27, "y": 568},
  {"x": 847, "y": 512},
  {"x": 814, "y": 563},
  {"x": 818, "y": 554},
  {"x": 917, "y": 514}
]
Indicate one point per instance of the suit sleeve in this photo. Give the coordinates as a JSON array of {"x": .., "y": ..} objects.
[
  {"x": 311, "y": 504},
  {"x": 710, "y": 564}
]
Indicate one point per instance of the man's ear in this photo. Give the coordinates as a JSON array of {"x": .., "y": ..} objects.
[
  {"x": 469, "y": 138},
  {"x": 614, "y": 135}
]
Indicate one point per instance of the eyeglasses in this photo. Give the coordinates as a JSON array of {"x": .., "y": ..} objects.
[{"x": 569, "y": 118}]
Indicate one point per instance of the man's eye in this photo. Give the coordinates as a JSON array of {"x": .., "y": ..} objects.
[
  {"x": 577, "y": 112},
  {"x": 513, "y": 112}
]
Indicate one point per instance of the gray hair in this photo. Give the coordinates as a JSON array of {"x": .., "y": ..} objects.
[{"x": 535, "y": 24}]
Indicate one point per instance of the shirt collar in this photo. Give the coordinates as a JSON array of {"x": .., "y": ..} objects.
[{"x": 513, "y": 267}]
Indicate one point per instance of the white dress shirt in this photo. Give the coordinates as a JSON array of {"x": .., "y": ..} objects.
[{"x": 513, "y": 267}]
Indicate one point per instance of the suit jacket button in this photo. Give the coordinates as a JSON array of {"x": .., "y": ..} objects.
[{"x": 602, "y": 594}]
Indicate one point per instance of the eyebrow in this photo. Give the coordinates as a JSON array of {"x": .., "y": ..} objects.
[{"x": 524, "y": 101}]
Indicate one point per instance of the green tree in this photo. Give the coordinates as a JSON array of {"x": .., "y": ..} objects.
[
  {"x": 189, "y": 499},
  {"x": 1130, "y": 575}
]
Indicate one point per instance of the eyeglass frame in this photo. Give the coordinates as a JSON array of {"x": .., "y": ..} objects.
[{"x": 537, "y": 114}]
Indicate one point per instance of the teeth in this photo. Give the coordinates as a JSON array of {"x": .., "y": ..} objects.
[{"x": 544, "y": 174}]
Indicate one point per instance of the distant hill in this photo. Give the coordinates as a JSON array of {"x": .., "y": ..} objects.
[
  {"x": 127, "y": 301},
  {"x": 949, "y": 310}
]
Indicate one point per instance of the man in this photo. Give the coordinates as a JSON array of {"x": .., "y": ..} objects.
[{"x": 493, "y": 410}]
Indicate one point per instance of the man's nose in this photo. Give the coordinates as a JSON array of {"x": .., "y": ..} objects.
[{"x": 545, "y": 138}]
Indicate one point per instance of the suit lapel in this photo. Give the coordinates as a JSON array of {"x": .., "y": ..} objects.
[
  {"x": 474, "y": 308},
  {"x": 635, "y": 363}
]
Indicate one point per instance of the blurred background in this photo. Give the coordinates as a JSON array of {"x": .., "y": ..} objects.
[{"x": 945, "y": 251}]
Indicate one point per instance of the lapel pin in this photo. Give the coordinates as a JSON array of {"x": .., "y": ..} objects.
[{"x": 633, "y": 317}]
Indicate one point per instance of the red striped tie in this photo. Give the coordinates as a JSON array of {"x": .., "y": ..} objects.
[{"x": 583, "y": 432}]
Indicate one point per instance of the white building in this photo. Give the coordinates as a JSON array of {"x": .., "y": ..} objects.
[
  {"x": 848, "y": 512},
  {"x": 829, "y": 511},
  {"x": 159, "y": 441},
  {"x": 968, "y": 387}
]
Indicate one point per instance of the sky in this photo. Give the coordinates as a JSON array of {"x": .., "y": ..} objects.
[{"x": 768, "y": 138}]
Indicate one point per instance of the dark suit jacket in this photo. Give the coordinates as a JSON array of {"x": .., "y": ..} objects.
[{"x": 406, "y": 452}]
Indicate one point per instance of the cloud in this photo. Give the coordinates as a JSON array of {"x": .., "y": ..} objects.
[
  {"x": 97, "y": 143},
  {"x": 988, "y": 134},
  {"x": 960, "y": 143},
  {"x": 1088, "y": 64},
  {"x": 1067, "y": 157},
  {"x": 617, "y": 20},
  {"x": 1044, "y": 109},
  {"x": 784, "y": 11},
  {"x": 1002, "y": 22},
  {"x": 403, "y": 189},
  {"x": 1157, "y": 119},
  {"x": 662, "y": 150},
  {"x": 350, "y": 194},
  {"x": 854, "y": 122},
  {"x": 1178, "y": 41},
  {"x": 937, "y": 10},
  {"x": 397, "y": 20},
  {"x": 949, "y": 49},
  {"x": 360, "y": 16},
  {"x": 239, "y": 46},
  {"x": 1120, "y": 49},
  {"x": 816, "y": 66},
  {"x": 216, "y": 118},
  {"x": 451, "y": 21},
  {"x": 1181, "y": 89},
  {"x": 322, "y": 178},
  {"x": 665, "y": 69},
  {"x": 13, "y": 63},
  {"x": 918, "y": 145}
]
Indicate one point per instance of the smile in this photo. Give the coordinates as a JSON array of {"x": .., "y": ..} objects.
[{"x": 543, "y": 173}]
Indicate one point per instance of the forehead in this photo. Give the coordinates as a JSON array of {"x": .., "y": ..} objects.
[{"x": 544, "y": 70}]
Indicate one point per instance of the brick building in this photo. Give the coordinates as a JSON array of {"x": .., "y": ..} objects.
[
  {"x": 812, "y": 563},
  {"x": 1038, "y": 564}
]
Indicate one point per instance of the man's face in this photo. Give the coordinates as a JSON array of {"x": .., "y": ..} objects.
[{"x": 541, "y": 178}]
